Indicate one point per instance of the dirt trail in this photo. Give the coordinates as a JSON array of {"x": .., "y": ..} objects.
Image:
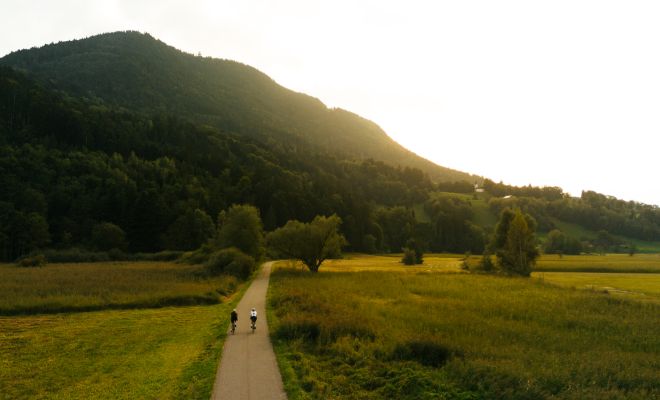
[{"x": 248, "y": 369}]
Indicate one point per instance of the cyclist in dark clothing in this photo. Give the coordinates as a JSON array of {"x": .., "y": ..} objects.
[{"x": 234, "y": 318}]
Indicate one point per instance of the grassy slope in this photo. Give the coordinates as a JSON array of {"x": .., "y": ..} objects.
[
  {"x": 510, "y": 338},
  {"x": 484, "y": 217}
]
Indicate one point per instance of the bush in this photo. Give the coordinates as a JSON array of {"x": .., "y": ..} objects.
[
  {"x": 425, "y": 352},
  {"x": 75, "y": 255},
  {"x": 231, "y": 261},
  {"x": 107, "y": 236},
  {"x": 199, "y": 256},
  {"x": 117, "y": 255},
  {"x": 486, "y": 263},
  {"x": 36, "y": 260},
  {"x": 167, "y": 255},
  {"x": 298, "y": 329},
  {"x": 409, "y": 256}
]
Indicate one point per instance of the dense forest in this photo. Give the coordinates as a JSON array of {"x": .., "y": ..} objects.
[
  {"x": 119, "y": 141},
  {"x": 134, "y": 71},
  {"x": 68, "y": 165}
]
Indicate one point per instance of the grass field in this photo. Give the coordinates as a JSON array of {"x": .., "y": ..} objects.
[
  {"x": 97, "y": 286},
  {"x": 640, "y": 263},
  {"x": 392, "y": 332},
  {"x": 165, "y": 353},
  {"x": 638, "y": 286},
  {"x": 135, "y": 352},
  {"x": 361, "y": 262}
]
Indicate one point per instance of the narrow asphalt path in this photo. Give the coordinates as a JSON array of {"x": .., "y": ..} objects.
[{"x": 248, "y": 369}]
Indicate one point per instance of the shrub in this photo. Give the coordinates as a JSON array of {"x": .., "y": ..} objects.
[
  {"x": 486, "y": 263},
  {"x": 167, "y": 255},
  {"x": 298, "y": 329},
  {"x": 117, "y": 255},
  {"x": 107, "y": 236},
  {"x": 36, "y": 260},
  {"x": 199, "y": 256},
  {"x": 231, "y": 261},
  {"x": 425, "y": 352},
  {"x": 409, "y": 257},
  {"x": 75, "y": 255}
]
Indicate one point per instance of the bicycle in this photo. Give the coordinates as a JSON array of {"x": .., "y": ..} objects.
[
  {"x": 233, "y": 328},
  {"x": 253, "y": 324}
]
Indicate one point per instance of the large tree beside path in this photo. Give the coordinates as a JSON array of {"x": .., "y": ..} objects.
[{"x": 312, "y": 243}]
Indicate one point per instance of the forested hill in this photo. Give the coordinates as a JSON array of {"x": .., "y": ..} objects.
[
  {"x": 121, "y": 142},
  {"x": 140, "y": 73},
  {"x": 70, "y": 167}
]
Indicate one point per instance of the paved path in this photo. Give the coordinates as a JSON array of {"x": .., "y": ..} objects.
[{"x": 248, "y": 369}]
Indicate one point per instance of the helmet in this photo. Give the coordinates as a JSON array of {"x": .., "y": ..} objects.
[
  {"x": 234, "y": 310},
  {"x": 253, "y": 309}
]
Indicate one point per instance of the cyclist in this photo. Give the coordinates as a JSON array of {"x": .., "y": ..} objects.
[
  {"x": 253, "y": 318},
  {"x": 234, "y": 318}
]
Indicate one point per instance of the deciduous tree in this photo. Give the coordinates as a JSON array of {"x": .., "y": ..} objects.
[
  {"x": 312, "y": 243},
  {"x": 240, "y": 226},
  {"x": 515, "y": 242}
]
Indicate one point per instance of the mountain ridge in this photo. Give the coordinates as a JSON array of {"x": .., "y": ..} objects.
[{"x": 142, "y": 73}]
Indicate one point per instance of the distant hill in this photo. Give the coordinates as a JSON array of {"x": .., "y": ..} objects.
[{"x": 140, "y": 73}]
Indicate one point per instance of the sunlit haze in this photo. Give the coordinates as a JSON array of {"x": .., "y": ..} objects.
[{"x": 560, "y": 93}]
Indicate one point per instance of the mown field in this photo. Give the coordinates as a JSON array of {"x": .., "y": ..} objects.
[
  {"x": 394, "y": 332},
  {"x": 132, "y": 352}
]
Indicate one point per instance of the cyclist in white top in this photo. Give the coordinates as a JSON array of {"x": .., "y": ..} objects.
[{"x": 253, "y": 318}]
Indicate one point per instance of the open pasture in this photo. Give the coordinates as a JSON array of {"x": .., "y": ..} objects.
[
  {"x": 639, "y": 263},
  {"x": 96, "y": 286},
  {"x": 165, "y": 353},
  {"x": 362, "y": 262},
  {"x": 414, "y": 334},
  {"x": 644, "y": 287},
  {"x": 127, "y": 344}
]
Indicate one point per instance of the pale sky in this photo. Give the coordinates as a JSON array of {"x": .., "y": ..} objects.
[{"x": 559, "y": 93}]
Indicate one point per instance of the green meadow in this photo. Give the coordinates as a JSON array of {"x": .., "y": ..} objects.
[
  {"x": 639, "y": 263},
  {"x": 639, "y": 286},
  {"x": 136, "y": 345},
  {"x": 98, "y": 286},
  {"x": 369, "y": 328}
]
